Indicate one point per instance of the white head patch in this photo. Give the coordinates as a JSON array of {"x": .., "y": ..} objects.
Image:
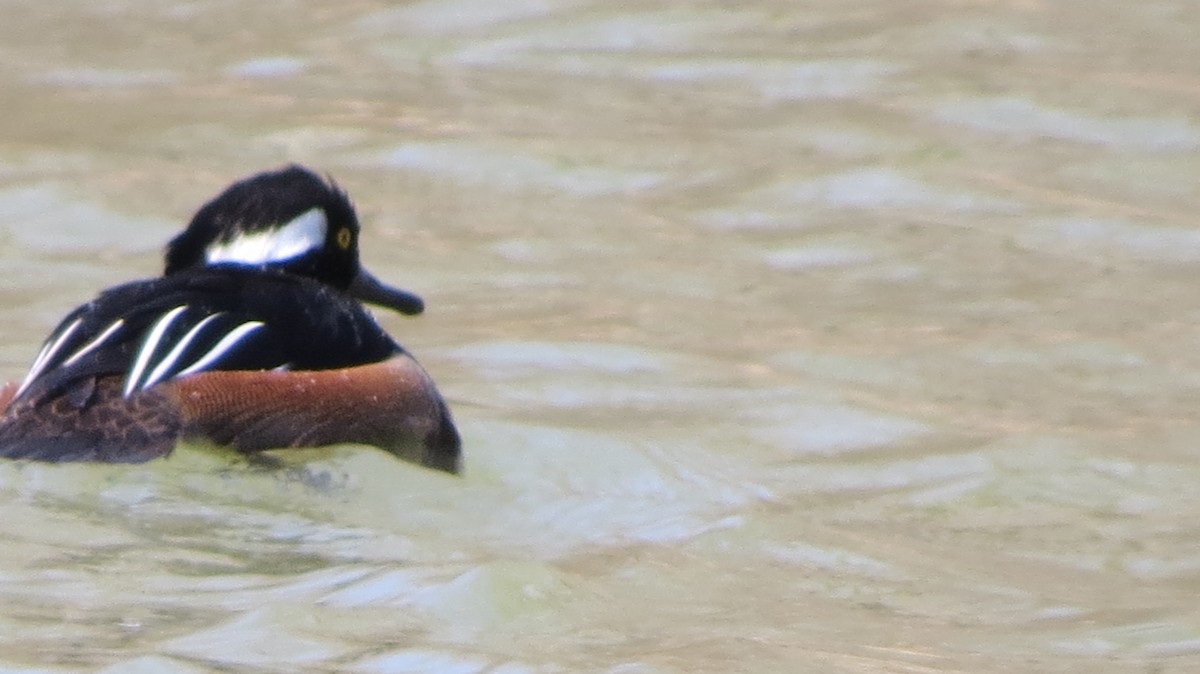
[{"x": 302, "y": 234}]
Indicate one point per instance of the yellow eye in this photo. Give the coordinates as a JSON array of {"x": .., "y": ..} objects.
[{"x": 344, "y": 237}]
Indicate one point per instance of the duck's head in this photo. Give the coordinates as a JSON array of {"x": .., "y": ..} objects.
[{"x": 291, "y": 220}]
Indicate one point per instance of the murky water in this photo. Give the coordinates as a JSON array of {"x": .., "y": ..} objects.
[{"x": 832, "y": 336}]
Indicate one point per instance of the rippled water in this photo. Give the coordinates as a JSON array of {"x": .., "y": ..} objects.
[{"x": 838, "y": 337}]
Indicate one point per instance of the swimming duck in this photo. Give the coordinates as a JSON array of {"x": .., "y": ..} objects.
[{"x": 254, "y": 337}]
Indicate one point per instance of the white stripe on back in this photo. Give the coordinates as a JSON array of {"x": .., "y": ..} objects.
[
  {"x": 91, "y": 346},
  {"x": 221, "y": 348},
  {"x": 146, "y": 351},
  {"x": 47, "y": 352},
  {"x": 164, "y": 366}
]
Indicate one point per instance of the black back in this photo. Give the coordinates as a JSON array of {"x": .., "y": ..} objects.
[{"x": 305, "y": 325}]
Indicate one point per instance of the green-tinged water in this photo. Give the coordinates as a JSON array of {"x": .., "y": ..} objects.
[{"x": 791, "y": 337}]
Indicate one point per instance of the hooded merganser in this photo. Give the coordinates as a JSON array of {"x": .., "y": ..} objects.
[{"x": 254, "y": 337}]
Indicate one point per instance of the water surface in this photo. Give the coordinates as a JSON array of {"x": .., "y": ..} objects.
[{"x": 842, "y": 337}]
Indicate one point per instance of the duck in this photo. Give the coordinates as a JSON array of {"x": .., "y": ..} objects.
[{"x": 255, "y": 337}]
